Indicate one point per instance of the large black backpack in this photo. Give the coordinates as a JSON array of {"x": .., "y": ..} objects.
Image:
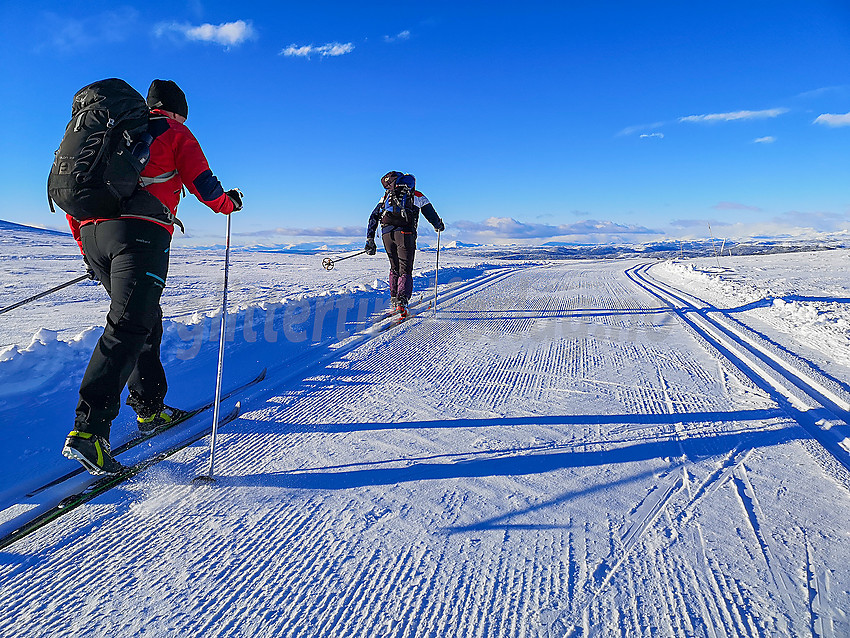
[
  {"x": 398, "y": 202},
  {"x": 105, "y": 148}
]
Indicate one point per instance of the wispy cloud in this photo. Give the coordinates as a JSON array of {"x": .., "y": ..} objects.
[
  {"x": 735, "y": 116},
  {"x": 631, "y": 130},
  {"x": 826, "y": 90},
  {"x": 822, "y": 221},
  {"x": 696, "y": 223},
  {"x": 767, "y": 139},
  {"x": 495, "y": 228},
  {"x": 226, "y": 34},
  {"x": 332, "y": 49},
  {"x": 77, "y": 34},
  {"x": 735, "y": 206},
  {"x": 833, "y": 120},
  {"x": 706, "y": 117},
  {"x": 403, "y": 35},
  {"x": 789, "y": 225}
]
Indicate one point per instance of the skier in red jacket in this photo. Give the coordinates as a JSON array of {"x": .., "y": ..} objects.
[{"x": 129, "y": 256}]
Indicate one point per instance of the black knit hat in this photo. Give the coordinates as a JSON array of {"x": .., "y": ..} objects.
[{"x": 166, "y": 95}]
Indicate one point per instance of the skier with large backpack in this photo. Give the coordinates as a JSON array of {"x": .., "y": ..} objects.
[
  {"x": 398, "y": 215},
  {"x": 118, "y": 175}
]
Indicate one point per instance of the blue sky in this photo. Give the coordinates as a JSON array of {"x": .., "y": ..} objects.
[{"x": 523, "y": 122}]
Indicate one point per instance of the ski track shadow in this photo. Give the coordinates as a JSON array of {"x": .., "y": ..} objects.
[
  {"x": 815, "y": 299},
  {"x": 521, "y": 463},
  {"x": 525, "y": 314},
  {"x": 761, "y": 303},
  {"x": 542, "y": 420}
]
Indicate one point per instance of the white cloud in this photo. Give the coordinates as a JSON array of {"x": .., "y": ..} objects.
[
  {"x": 767, "y": 139},
  {"x": 227, "y": 34},
  {"x": 651, "y": 135},
  {"x": 736, "y": 115},
  {"x": 332, "y": 49},
  {"x": 833, "y": 120},
  {"x": 403, "y": 35},
  {"x": 631, "y": 130}
]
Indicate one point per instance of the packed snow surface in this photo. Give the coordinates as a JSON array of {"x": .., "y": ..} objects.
[{"x": 617, "y": 447}]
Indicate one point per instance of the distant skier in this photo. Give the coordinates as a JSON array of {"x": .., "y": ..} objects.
[
  {"x": 129, "y": 255},
  {"x": 398, "y": 215}
]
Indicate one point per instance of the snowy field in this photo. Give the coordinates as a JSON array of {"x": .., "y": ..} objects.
[{"x": 624, "y": 447}]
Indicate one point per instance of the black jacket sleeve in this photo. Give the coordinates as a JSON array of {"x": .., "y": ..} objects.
[
  {"x": 431, "y": 215},
  {"x": 374, "y": 220}
]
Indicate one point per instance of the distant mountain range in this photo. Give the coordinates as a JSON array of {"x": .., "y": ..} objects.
[
  {"x": 4, "y": 225},
  {"x": 666, "y": 249}
]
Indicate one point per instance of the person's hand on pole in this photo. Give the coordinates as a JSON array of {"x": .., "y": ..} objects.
[
  {"x": 90, "y": 273},
  {"x": 235, "y": 196},
  {"x": 371, "y": 247}
]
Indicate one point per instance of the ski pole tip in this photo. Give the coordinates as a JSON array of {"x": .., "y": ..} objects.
[{"x": 203, "y": 479}]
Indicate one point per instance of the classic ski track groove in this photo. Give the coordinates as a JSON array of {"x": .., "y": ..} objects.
[
  {"x": 736, "y": 468},
  {"x": 787, "y": 380},
  {"x": 320, "y": 542}
]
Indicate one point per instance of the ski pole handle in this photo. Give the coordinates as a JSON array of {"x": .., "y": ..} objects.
[{"x": 44, "y": 294}]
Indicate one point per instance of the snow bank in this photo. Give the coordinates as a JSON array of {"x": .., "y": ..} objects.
[
  {"x": 290, "y": 324},
  {"x": 716, "y": 279},
  {"x": 46, "y": 364},
  {"x": 820, "y": 320}
]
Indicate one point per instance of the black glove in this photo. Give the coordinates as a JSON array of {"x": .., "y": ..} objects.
[
  {"x": 371, "y": 248},
  {"x": 89, "y": 270},
  {"x": 440, "y": 227},
  {"x": 235, "y": 196}
]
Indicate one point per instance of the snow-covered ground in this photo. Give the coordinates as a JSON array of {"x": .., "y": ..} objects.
[
  {"x": 601, "y": 448},
  {"x": 801, "y": 299}
]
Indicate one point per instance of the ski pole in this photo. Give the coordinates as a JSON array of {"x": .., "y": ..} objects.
[
  {"x": 328, "y": 263},
  {"x": 209, "y": 477},
  {"x": 44, "y": 294},
  {"x": 436, "y": 273}
]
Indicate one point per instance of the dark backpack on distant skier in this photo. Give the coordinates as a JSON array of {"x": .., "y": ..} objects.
[
  {"x": 104, "y": 150},
  {"x": 399, "y": 208}
]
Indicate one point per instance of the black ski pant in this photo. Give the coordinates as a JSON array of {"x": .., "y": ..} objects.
[
  {"x": 130, "y": 257},
  {"x": 401, "y": 249}
]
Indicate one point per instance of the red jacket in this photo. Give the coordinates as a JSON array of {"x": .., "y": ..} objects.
[{"x": 176, "y": 161}]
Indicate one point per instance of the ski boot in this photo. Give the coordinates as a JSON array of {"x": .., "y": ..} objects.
[
  {"x": 401, "y": 308},
  {"x": 149, "y": 420},
  {"x": 92, "y": 451}
]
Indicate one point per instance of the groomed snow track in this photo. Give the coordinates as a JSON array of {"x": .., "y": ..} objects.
[{"x": 555, "y": 453}]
